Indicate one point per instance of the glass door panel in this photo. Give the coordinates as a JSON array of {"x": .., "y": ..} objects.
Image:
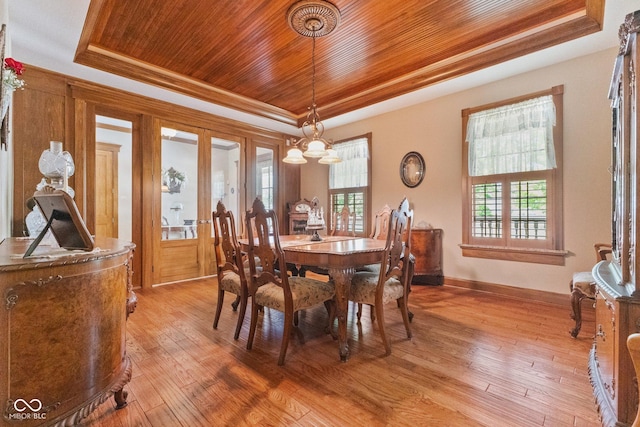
[
  {"x": 225, "y": 177},
  {"x": 179, "y": 204},
  {"x": 182, "y": 252}
]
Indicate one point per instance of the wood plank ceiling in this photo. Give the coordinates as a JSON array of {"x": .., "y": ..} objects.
[{"x": 244, "y": 55}]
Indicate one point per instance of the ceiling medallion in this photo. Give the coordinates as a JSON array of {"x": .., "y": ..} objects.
[{"x": 313, "y": 18}]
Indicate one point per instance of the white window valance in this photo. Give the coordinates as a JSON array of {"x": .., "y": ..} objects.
[
  {"x": 353, "y": 170},
  {"x": 512, "y": 138}
]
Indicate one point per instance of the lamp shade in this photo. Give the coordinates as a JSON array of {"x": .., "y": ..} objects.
[
  {"x": 331, "y": 157},
  {"x": 294, "y": 156},
  {"x": 315, "y": 148}
]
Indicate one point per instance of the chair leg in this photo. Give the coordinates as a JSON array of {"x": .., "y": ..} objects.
[
  {"x": 373, "y": 312},
  {"x": 218, "y": 308},
  {"x": 576, "y": 310},
  {"x": 254, "y": 322},
  {"x": 402, "y": 303},
  {"x": 288, "y": 325},
  {"x": 234, "y": 304},
  {"x": 243, "y": 309},
  {"x": 380, "y": 314},
  {"x": 330, "y": 305}
]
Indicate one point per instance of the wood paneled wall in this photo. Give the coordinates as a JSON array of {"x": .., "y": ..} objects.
[{"x": 55, "y": 107}]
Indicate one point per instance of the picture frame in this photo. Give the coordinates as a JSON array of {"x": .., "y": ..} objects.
[
  {"x": 63, "y": 219},
  {"x": 412, "y": 169}
]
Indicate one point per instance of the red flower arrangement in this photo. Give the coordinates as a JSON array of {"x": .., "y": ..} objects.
[
  {"x": 13, "y": 69},
  {"x": 14, "y": 65}
]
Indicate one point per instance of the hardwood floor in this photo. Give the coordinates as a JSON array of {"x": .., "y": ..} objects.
[{"x": 474, "y": 360}]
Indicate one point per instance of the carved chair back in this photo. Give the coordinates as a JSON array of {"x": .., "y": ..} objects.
[
  {"x": 344, "y": 223},
  {"x": 381, "y": 223},
  {"x": 227, "y": 248},
  {"x": 264, "y": 251}
]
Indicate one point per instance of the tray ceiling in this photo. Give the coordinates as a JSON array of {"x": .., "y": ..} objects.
[{"x": 244, "y": 55}]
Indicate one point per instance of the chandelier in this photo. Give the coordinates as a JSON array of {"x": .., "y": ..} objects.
[{"x": 312, "y": 18}]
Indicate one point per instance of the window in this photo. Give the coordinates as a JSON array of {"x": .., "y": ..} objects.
[
  {"x": 512, "y": 171},
  {"x": 350, "y": 181}
]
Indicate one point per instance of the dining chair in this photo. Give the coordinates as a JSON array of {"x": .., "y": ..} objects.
[
  {"x": 270, "y": 286},
  {"x": 380, "y": 231},
  {"x": 344, "y": 223},
  {"x": 391, "y": 283},
  {"x": 229, "y": 263}
]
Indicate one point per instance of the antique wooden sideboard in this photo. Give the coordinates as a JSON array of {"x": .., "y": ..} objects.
[
  {"x": 426, "y": 247},
  {"x": 63, "y": 331},
  {"x": 614, "y": 380}
]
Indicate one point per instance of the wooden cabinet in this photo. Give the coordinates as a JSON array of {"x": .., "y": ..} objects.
[
  {"x": 610, "y": 365},
  {"x": 611, "y": 369},
  {"x": 298, "y": 213},
  {"x": 426, "y": 247},
  {"x": 63, "y": 334}
]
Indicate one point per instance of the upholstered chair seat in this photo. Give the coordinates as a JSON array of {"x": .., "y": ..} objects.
[
  {"x": 305, "y": 293},
  {"x": 231, "y": 281},
  {"x": 364, "y": 285}
]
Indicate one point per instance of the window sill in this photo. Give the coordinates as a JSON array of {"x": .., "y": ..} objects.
[{"x": 537, "y": 256}]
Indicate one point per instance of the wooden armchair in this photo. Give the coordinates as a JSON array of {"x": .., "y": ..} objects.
[
  {"x": 270, "y": 286},
  {"x": 391, "y": 282},
  {"x": 583, "y": 286},
  {"x": 231, "y": 273}
]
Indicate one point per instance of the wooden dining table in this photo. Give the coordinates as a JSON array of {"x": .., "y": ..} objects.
[{"x": 340, "y": 255}]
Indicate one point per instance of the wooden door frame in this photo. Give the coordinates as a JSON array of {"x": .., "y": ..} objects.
[{"x": 85, "y": 152}]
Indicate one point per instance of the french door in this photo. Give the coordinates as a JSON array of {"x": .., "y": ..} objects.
[{"x": 195, "y": 169}]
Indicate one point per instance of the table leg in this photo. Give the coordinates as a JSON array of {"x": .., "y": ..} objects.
[{"x": 342, "y": 280}]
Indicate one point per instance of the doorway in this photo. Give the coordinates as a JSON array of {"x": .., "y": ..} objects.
[
  {"x": 107, "y": 215},
  {"x": 116, "y": 182}
]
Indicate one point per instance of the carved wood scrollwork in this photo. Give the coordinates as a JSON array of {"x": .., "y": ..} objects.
[
  {"x": 11, "y": 297},
  {"x": 132, "y": 299}
]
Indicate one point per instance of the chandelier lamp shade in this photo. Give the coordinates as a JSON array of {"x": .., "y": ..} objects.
[{"x": 313, "y": 18}]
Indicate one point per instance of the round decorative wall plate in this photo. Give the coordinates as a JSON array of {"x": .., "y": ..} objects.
[{"x": 412, "y": 169}]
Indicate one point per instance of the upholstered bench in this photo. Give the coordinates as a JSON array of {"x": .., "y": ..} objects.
[{"x": 582, "y": 286}]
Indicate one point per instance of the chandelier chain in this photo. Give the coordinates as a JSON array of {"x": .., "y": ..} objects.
[{"x": 313, "y": 73}]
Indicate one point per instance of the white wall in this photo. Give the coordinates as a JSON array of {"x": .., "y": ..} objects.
[
  {"x": 6, "y": 157},
  {"x": 434, "y": 129}
]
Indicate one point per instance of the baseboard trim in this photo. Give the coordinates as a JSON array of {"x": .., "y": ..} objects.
[{"x": 511, "y": 291}]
